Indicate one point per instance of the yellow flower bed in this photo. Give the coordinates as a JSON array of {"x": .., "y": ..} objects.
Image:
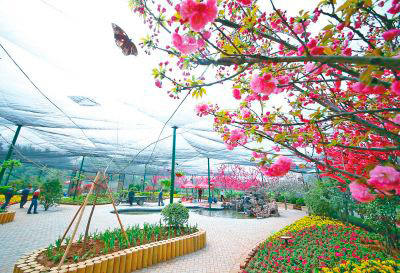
[
  {"x": 15, "y": 199},
  {"x": 304, "y": 222},
  {"x": 369, "y": 266}
]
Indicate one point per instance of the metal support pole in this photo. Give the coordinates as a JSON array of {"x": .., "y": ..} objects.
[
  {"x": 209, "y": 186},
  {"x": 10, "y": 150},
  {"x": 144, "y": 176},
  {"x": 79, "y": 176},
  {"x": 9, "y": 173},
  {"x": 171, "y": 193}
]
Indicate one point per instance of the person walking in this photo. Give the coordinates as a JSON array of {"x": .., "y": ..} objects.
[
  {"x": 24, "y": 196},
  {"x": 200, "y": 193},
  {"x": 131, "y": 196},
  {"x": 160, "y": 198},
  {"x": 222, "y": 196},
  {"x": 8, "y": 195},
  {"x": 34, "y": 202}
]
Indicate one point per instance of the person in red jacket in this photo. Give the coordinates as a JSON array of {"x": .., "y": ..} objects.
[{"x": 34, "y": 202}]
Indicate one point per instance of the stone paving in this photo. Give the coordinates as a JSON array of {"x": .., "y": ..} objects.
[{"x": 228, "y": 240}]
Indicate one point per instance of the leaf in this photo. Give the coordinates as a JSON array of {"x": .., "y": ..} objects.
[
  {"x": 328, "y": 51},
  {"x": 328, "y": 27},
  {"x": 345, "y": 5},
  {"x": 366, "y": 75}
]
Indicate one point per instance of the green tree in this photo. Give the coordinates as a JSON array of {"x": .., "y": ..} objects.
[{"x": 51, "y": 193}]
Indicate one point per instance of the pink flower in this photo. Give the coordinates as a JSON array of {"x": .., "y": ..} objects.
[
  {"x": 206, "y": 35},
  {"x": 358, "y": 87},
  {"x": 246, "y": 113},
  {"x": 186, "y": 44},
  {"x": 384, "y": 178},
  {"x": 298, "y": 28},
  {"x": 202, "y": 109},
  {"x": 391, "y": 34},
  {"x": 361, "y": 192},
  {"x": 276, "y": 148},
  {"x": 265, "y": 84},
  {"x": 198, "y": 13},
  {"x": 279, "y": 168},
  {"x": 396, "y": 119},
  {"x": 396, "y": 87},
  {"x": 235, "y": 138},
  {"x": 236, "y": 94},
  {"x": 310, "y": 66},
  {"x": 158, "y": 83},
  {"x": 317, "y": 50},
  {"x": 245, "y": 2}
]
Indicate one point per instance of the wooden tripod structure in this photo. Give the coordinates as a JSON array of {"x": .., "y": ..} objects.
[{"x": 79, "y": 213}]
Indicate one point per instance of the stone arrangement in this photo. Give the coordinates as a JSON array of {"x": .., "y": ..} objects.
[{"x": 256, "y": 204}]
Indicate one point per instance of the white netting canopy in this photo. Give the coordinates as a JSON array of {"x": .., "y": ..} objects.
[{"x": 75, "y": 94}]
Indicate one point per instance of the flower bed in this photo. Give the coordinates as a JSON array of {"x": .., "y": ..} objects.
[
  {"x": 321, "y": 245},
  {"x": 14, "y": 200},
  {"x": 101, "y": 200},
  {"x": 148, "y": 245},
  {"x": 6, "y": 216}
]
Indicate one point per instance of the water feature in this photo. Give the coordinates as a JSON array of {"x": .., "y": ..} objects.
[{"x": 225, "y": 213}]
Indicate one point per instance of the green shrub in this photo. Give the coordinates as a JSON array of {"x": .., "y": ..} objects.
[
  {"x": 175, "y": 214},
  {"x": 300, "y": 201},
  {"x": 3, "y": 189},
  {"x": 51, "y": 193}
]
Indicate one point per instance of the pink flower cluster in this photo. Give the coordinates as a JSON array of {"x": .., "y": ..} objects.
[
  {"x": 382, "y": 178},
  {"x": 236, "y": 137},
  {"x": 198, "y": 14},
  {"x": 363, "y": 89},
  {"x": 396, "y": 87},
  {"x": 279, "y": 168},
  {"x": 236, "y": 94},
  {"x": 202, "y": 109},
  {"x": 245, "y": 2},
  {"x": 385, "y": 178},
  {"x": 391, "y": 34},
  {"x": 265, "y": 84},
  {"x": 361, "y": 193},
  {"x": 186, "y": 44}
]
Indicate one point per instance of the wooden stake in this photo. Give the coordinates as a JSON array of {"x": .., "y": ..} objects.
[
  {"x": 90, "y": 219},
  {"x": 116, "y": 213},
  {"x": 70, "y": 224},
  {"x": 78, "y": 221}
]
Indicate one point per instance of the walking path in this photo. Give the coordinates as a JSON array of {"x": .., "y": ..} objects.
[{"x": 228, "y": 240}]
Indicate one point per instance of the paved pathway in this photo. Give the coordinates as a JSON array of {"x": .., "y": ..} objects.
[{"x": 228, "y": 240}]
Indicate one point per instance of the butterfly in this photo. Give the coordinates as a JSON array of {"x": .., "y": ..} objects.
[{"x": 122, "y": 41}]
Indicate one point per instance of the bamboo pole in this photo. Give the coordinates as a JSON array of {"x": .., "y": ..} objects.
[
  {"x": 70, "y": 224},
  {"x": 90, "y": 218},
  {"x": 78, "y": 221},
  {"x": 116, "y": 213}
]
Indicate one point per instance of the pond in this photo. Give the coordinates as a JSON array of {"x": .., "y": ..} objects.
[{"x": 226, "y": 213}]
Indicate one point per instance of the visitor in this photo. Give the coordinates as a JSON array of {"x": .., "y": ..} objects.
[
  {"x": 200, "y": 193},
  {"x": 222, "y": 196},
  {"x": 34, "y": 202},
  {"x": 160, "y": 198},
  {"x": 8, "y": 195},
  {"x": 24, "y": 196},
  {"x": 131, "y": 196}
]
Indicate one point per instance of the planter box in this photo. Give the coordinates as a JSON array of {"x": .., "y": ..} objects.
[
  {"x": 7, "y": 217},
  {"x": 298, "y": 207},
  {"x": 123, "y": 261}
]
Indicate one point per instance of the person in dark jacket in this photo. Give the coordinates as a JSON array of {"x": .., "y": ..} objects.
[
  {"x": 34, "y": 202},
  {"x": 160, "y": 198},
  {"x": 24, "y": 196},
  {"x": 8, "y": 195},
  {"x": 131, "y": 196}
]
